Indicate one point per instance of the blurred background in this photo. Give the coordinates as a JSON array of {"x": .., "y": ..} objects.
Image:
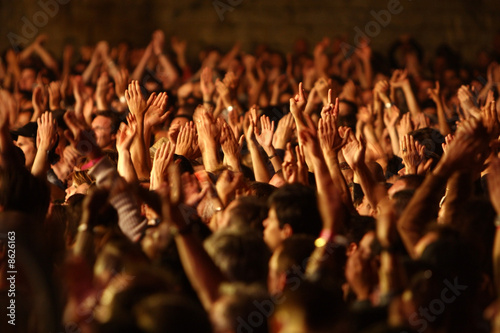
[{"x": 467, "y": 26}]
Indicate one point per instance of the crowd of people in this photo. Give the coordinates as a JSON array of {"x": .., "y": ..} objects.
[{"x": 343, "y": 190}]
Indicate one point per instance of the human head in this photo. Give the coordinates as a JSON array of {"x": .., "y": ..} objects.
[
  {"x": 105, "y": 125},
  {"x": 289, "y": 261},
  {"x": 293, "y": 210},
  {"x": 241, "y": 255},
  {"x": 25, "y": 138}
]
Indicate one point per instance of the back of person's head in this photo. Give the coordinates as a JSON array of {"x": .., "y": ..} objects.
[
  {"x": 296, "y": 205},
  {"x": 295, "y": 253},
  {"x": 125, "y": 291},
  {"x": 249, "y": 213},
  {"x": 412, "y": 181},
  {"x": 23, "y": 192},
  {"x": 262, "y": 190},
  {"x": 310, "y": 308},
  {"x": 241, "y": 255},
  {"x": 171, "y": 313},
  {"x": 242, "y": 308},
  {"x": 358, "y": 226},
  {"x": 401, "y": 199}
]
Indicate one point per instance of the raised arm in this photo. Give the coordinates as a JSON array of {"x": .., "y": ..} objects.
[
  {"x": 354, "y": 154},
  {"x": 400, "y": 80},
  {"x": 331, "y": 143},
  {"x": 208, "y": 134},
  {"x": 138, "y": 106},
  {"x": 124, "y": 139},
  {"x": 461, "y": 154},
  {"x": 259, "y": 167},
  {"x": 170, "y": 76},
  {"x": 265, "y": 139},
  {"x": 201, "y": 271},
  {"x": 46, "y": 137}
]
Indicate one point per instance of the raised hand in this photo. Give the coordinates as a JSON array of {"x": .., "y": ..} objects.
[
  {"x": 412, "y": 154},
  {"x": 230, "y": 147},
  {"x": 101, "y": 91},
  {"x": 391, "y": 116},
  {"x": 125, "y": 134},
  {"x": 224, "y": 92},
  {"x": 121, "y": 82},
  {"x": 405, "y": 125},
  {"x": 55, "y": 95},
  {"x": 179, "y": 46},
  {"x": 155, "y": 114},
  {"x": 353, "y": 151},
  {"x": 163, "y": 158},
  {"x": 284, "y": 131},
  {"x": 447, "y": 140},
  {"x": 235, "y": 121},
  {"x": 38, "y": 102},
  {"x": 329, "y": 108},
  {"x": 322, "y": 87},
  {"x": 467, "y": 101},
  {"x": 468, "y": 148},
  {"x": 328, "y": 135},
  {"x": 490, "y": 119},
  {"x": 46, "y": 133},
  {"x": 207, "y": 85},
  {"x": 399, "y": 78},
  {"x": 227, "y": 184},
  {"x": 297, "y": 106},
  {"x": 157, "y": 40},
  {"x": 136, "y": 101},
  {"x": 187, "y": 145},
  {"x": 380, "y": 91},
  {"x": 435, "y": 93},
  {"x": 265, "y": 137},
  {"x": 208, "y": 136}
]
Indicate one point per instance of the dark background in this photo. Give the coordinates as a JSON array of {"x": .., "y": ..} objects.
[{"x": 465, "y": 25}]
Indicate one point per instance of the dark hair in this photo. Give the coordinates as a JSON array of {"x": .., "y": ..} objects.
[
  {"x": 249, "y": 213},
  {"x": 401, "y": 199},
  {"x": 296, "y": 205},
  {"x": 21, "y": 191},
  {"x": 295, "y": 251},
  {"x": 171, "y": 313},
  {"x": 262, "y": 190},
  {"x": 115, "y": 119},
  {"x": 240, "y": 255}
]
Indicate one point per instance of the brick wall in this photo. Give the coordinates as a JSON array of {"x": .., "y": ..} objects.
[{"x": 464, "y": 24}]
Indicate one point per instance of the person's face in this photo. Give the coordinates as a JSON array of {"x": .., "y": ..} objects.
[
  {"x": 273, "y": 234},
  {"x": 27, "y": 145},
  {"x": 102, "y": 129},
  {"x": 365, "y": 208},
  {"x": 74, "y": 188},
  {"x": 27, "y": 79}
]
